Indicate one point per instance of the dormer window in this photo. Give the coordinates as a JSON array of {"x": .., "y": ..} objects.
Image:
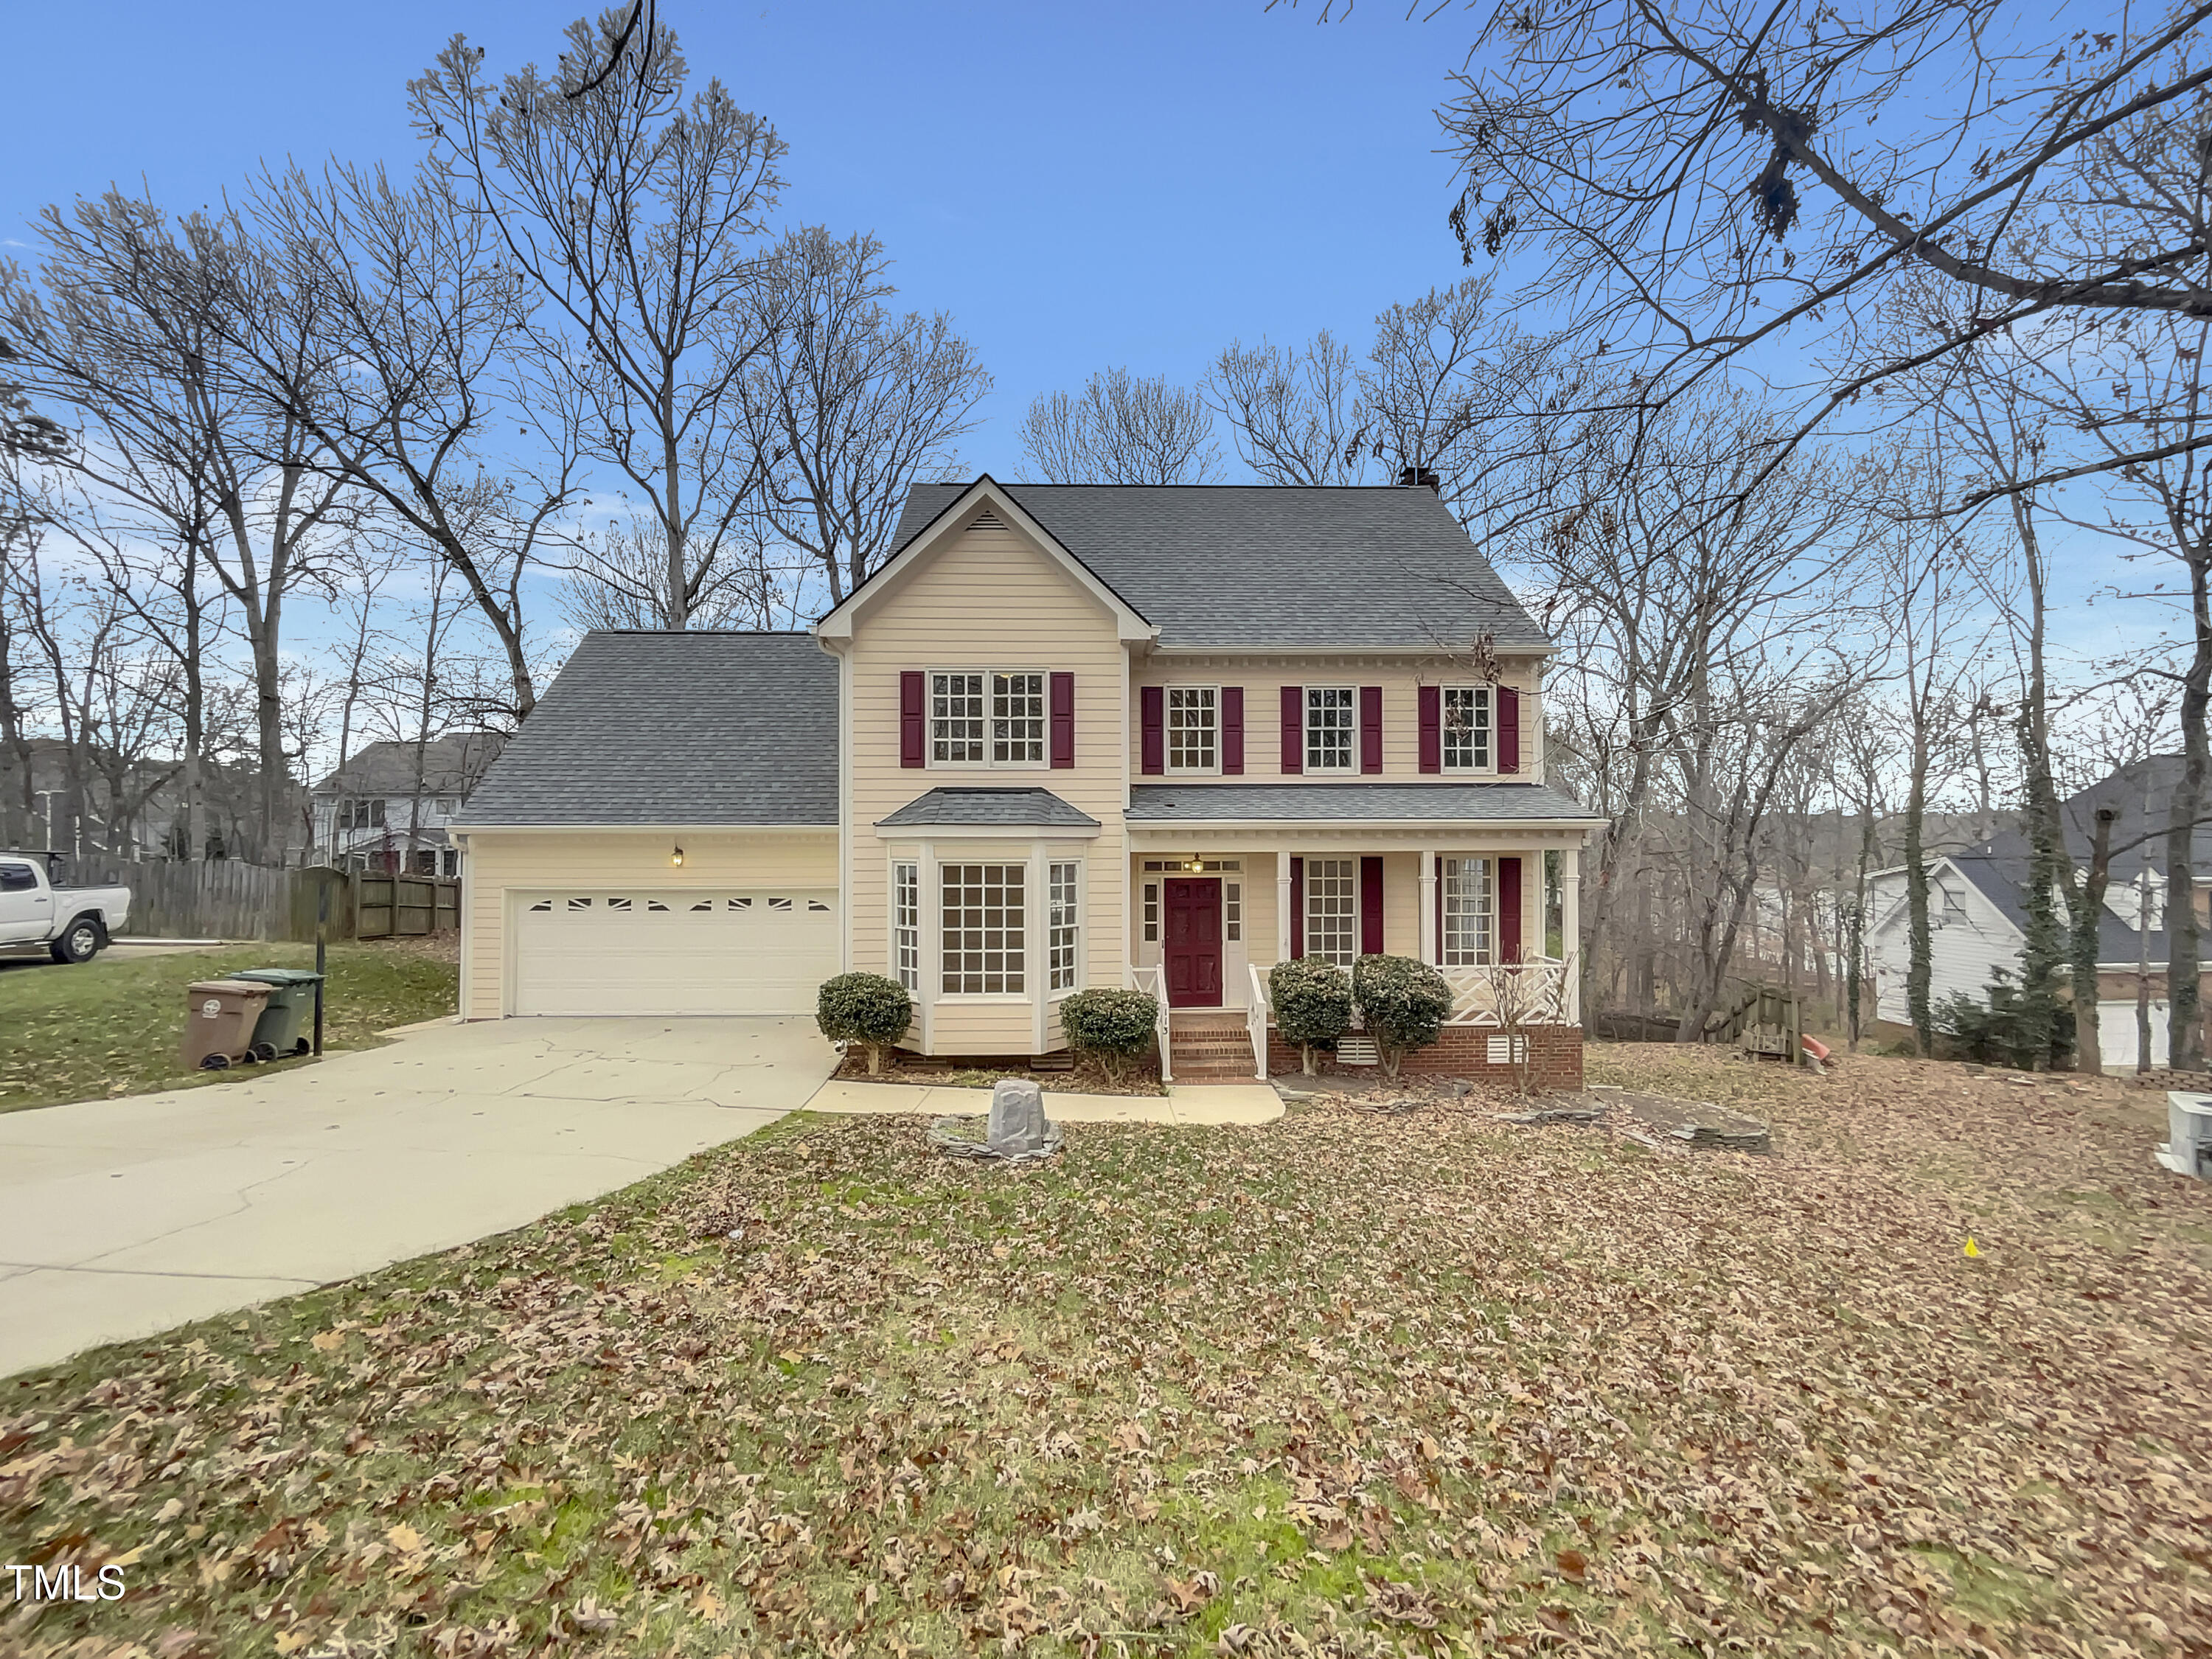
[{"x": 986, "y": 717}]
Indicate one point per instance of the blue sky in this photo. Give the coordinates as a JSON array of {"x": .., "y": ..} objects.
[{"x": 1079, "y": 186}]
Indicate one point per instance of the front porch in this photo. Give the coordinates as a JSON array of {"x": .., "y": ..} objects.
[{"x": 1210, "y": 915}]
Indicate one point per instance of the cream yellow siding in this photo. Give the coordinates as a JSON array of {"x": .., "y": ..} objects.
[
  {"x": 986, "y": 599},
  {"x": 1263, "y": 680},
  {"x": 499, "y": 863}
]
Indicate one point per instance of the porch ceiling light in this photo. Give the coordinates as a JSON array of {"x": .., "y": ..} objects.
[{"x": 1195, "y": 865}]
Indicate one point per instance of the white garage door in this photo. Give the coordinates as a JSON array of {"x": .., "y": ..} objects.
[{"x": 639, "y": 951}]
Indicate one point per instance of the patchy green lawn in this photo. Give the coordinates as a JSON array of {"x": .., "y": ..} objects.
[
  {"x": 113, "y": 1027},
  {"x": 1349, "y": 1385}
]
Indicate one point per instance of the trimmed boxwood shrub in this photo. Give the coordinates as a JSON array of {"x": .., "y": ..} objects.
[
  {"x": 864, "y": 1008},
  {"x": 1111, "y": 1024},
  {"x": 1313, "y": 1005},
  {"x": 1404, "y": 1003}
]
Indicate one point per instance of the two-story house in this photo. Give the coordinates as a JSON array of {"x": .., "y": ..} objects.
[
  {"x": 389, "y": 807},
  {"x": 1066, "y": 736}
]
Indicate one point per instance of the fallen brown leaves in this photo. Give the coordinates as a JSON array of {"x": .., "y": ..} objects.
[{"x": 1350, "y": 1384}]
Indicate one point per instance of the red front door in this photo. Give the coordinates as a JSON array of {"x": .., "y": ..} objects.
[{"x": 1192, "y": 946}]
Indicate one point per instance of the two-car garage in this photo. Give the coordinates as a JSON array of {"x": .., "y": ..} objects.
[{"x": 671, "y": 950}]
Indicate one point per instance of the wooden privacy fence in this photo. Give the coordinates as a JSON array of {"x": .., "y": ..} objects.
[{"x": 407, "y": 905}]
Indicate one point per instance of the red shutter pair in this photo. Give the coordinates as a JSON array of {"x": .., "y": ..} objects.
[
  {"x": 1152, "y": 730},
  {"x": 913, "y": 720},
  {"x": 1294, "y": 728},
  {"x": 1428, "y": 699}
]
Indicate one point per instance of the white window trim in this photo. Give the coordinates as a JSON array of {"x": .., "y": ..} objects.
[
  {"x": 1444, "y": 747},
  {"x": 891, "y": 933},
  {"x": 987, "y": 764},
  {"x": 1488, "y": 954},
  {"x": 1306, "y": 900},
  {"x": 1167, "y": 732},
  {"x": 1081, "y": 923},
  {"x": 1306, "y": 731},
  {"x": 1031, "y": 868}
]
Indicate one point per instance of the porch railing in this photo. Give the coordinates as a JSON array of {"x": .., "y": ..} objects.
[
  {"x": 1536, "y": 991},
  {"x": 1148, "y": 980},
  {"x": 1255, "y": 1020}
]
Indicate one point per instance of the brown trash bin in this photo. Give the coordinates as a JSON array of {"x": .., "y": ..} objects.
[{"x": 219, "y": 1015}]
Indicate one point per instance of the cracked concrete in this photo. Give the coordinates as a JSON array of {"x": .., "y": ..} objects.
[{"x": 122, "y": 1218}]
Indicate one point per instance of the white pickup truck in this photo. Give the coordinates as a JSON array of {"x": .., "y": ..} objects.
[{"x": 73, "y": 923}]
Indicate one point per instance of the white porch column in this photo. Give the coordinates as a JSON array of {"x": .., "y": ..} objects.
[
  {"x": 1432, "y": 946},
  {"x": 1282, "y": 907},
  {"x": 1570, "y": 913}
]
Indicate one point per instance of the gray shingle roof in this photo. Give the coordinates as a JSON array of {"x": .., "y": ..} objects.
[
  {"x": 1264, "y": 565},
  {"x": 977, "y": 805},
  {"x": 678, "y": 728},
  {"x": 1337, "y": 803},
  {"x": 452, "y": 765}
]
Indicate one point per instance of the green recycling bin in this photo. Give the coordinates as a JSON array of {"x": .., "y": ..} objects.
[{"x": 281, "y": 1028}]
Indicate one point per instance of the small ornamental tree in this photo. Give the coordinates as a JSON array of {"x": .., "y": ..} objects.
[
  {"x": 864, "y": 1008},
  {"x": 1313, "y": 1005},
  {"x": 1112, "y": 1024},
  {"x": 1405, "y": 1004}
]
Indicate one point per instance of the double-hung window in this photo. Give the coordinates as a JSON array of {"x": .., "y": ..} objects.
[
  {"x": 1331, "y": 717},
  {"x": 986, "y": 717},
  {"x": 983, "y": 942},
  {"x": 1193, "y": 715},
  {"x": 906, "y": 925},
  {"x": 1467, "y": 913},
  {"x": 1063, "y": 942},
  {"x": 1333, "y": 909},
  {"x": 1466, "y": 710}
]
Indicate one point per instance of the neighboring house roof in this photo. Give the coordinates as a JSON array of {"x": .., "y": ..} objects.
[
  {"x": 450, "y": 765},
  {"x": 1351, "y": 803},
  {"x": 674, "y": 728},
  {"x": 2002, "y": 880},
  {"x": 980, "y": 805},
  {"x": 1248, "y": 567}
]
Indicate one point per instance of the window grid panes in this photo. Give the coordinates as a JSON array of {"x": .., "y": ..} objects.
[
  {"x": 1332, "y": 909},
  {"x": 1467, "y": 728},
  {"x": 1193, "y": 720},
  {"x": 1018, "y": 720},
  {"x": 984, "y": 921},
  {"x": 956, "y": 719},
  {"x": 1466, "y": 943},
  {"x": 1232, "y": 909},
  {"x": 1151, "y": 913},
  {"x": 1062, "y": 948},
  {"x": 906, "y": 924},
  {"x": 1329, "y": 720}
]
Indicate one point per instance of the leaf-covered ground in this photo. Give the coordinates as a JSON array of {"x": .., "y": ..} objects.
[{"x": 1351, "y": 1383}]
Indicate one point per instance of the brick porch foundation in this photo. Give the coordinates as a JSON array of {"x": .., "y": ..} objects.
[{"x": 1555, "y": 1058}]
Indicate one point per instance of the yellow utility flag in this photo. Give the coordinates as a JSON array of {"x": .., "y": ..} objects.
[{"x": 1971, "y": 1249}]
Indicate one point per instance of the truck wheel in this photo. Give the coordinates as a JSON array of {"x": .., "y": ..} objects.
[{"x": 80, "y": 941}]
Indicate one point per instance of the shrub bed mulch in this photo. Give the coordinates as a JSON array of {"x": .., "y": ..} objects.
[
  {"x": 1084, "y": 1077},
  {"x": 1349, "y": 1385}
]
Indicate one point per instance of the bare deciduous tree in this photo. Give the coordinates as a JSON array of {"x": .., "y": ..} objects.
[
  {"x": 1296, "y": 417},
  {"x": 1125, "y": 429}
]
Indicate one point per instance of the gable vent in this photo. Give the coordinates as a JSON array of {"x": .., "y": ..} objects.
[{"x": 987, "y": 519}]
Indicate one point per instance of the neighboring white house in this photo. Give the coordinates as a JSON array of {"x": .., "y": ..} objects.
[
  {"x": 387, "y": 808},
  {"x": 1977, "y": 914}
]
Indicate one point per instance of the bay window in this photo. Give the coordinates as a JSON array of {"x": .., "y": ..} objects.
[
  {"x": 984, "y": 920},
  {"x": 906, "y": 925},
  {"x": 1064, "y": 938}
]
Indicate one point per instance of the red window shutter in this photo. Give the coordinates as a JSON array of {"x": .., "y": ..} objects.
[
  {"x": 1430, "y": 699},
  {"x": 914, "y": 728},
  {"x": 1294, "y": 728},
  {"x": 1232, "y": 729},
  {"x": 1371, "y": 728},
  {"x": 1152, "y": 706},
  {"x": 1063, "y": 720},
  {"x": 1298, "y": 908},
  {"x": 1509, "y": 729},
  {"x": 1370, "y": 907},
  {"x": 1508, "y": 909}
]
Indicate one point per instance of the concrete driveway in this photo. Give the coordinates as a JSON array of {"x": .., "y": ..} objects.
[{"x": 122, "y": 1218}]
